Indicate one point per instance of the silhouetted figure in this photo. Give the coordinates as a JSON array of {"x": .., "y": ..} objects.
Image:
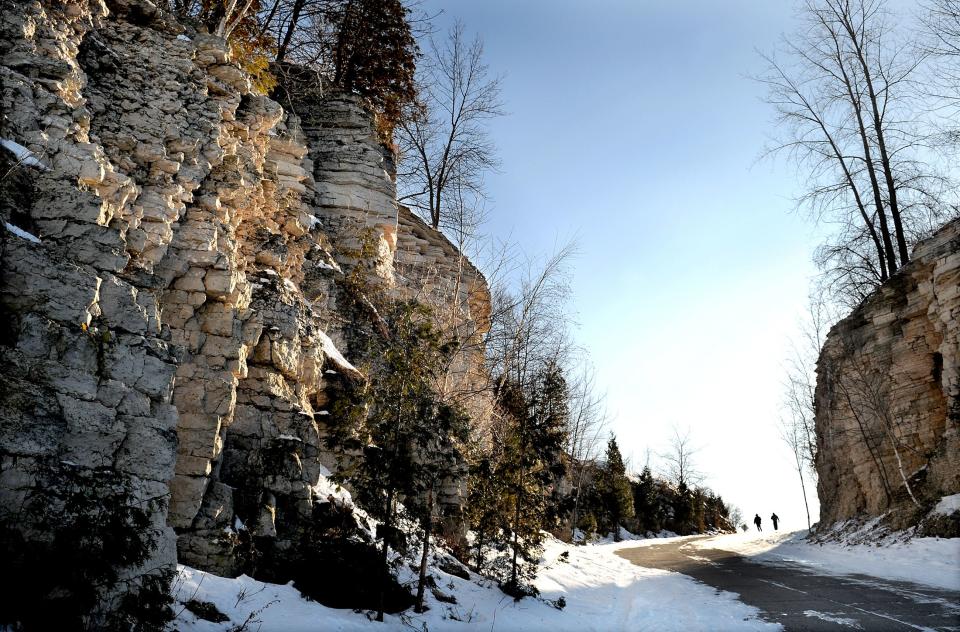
[
  {"x": 775, "y": 520},
  {"x": 756, "y": 521}
]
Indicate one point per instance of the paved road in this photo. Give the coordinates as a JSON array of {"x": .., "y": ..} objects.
[{"x": 799, "y": 599}]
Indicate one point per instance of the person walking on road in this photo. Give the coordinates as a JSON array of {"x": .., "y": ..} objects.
[
  {"x": 775, "y": 518},
  {"x": 756, "y": 521}
]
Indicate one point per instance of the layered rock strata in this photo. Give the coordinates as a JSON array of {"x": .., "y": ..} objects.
[
  {"x": 171, "y": 270},
  {"x": 888, "y": 393}
]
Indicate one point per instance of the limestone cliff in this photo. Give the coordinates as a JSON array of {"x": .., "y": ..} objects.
[
  {"x": 888, "y": 393},
  {"x": 177, "y": 318}
]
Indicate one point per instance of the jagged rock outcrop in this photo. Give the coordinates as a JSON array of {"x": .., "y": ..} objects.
[
  {"x": 888, "y": 393},
  {"x": 177, "y": 318}
]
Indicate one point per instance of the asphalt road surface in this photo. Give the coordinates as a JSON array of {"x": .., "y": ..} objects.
[{"x": 799, "y": 599}]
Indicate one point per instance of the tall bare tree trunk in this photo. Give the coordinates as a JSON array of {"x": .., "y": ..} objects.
[
  {"x": 879, "y": 132},
  {"x": 294, "y": 18}
]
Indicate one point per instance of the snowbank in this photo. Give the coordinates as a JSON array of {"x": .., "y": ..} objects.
[
  {"x": 601, "y": 591},
  {"x": 947, "y": 505},
  {"x": 929, "y": 561}
]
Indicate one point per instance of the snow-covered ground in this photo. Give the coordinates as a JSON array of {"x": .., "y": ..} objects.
[
  {"x": 929, "y": 561},
  {"x": 601, "y": 590}
]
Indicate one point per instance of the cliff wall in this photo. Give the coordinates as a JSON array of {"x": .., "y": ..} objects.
[
  {"x": 172, "y": 254},
  {"x": 888, "y": 394}
]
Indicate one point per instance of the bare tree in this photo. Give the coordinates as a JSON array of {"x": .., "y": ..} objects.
[
  {"x": 444, "y": 143},
  {"x": 797, "y": 426},
  {"x": 940, "y": 20},
  {"x": 530, "y": 325},
  {"x": 679, "y": 459},
  {"x": 866, "y": 391},
  {"x": 793, "y": 435},
  {"x": 528, "y": 339},
  {"x": 588, "y": 420},
  {"x": 844, "y": 99},
  {"x": 735, "y": 517}
]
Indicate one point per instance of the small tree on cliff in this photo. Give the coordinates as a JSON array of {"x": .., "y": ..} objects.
[
  {"x": 866, "y": 391},
  {"x": 614, "y": 488},
  {"x": 373, "y": 53},
  {"x": 412, "y": 435}
]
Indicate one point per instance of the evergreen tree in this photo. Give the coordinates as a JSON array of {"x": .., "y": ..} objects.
[
  {"x": 682, "y": 510},
  {"x": 616, "y": 495},
  {"x": 646, "y": 503},
  {"x": 532, "y": 462},
  {"x": 373, "y": 53},
  {"x": 411, "y": 434},
  {"x": 487, "y": 511}
]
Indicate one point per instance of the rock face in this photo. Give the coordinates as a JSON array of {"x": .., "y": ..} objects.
[
  {"x": 888, "y": 393},
  {"x": 177, "y": 320}
]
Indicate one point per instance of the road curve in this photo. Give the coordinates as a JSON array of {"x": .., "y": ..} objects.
[{"x": 799, "y": 599}]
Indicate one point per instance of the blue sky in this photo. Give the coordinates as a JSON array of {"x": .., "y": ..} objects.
[{"x": 633, "y": 127}]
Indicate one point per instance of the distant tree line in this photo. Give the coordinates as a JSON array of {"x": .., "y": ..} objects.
[{"x": 647, "y": 504}]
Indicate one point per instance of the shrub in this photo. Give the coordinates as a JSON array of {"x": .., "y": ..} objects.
[{"x": 67, "y": 550}]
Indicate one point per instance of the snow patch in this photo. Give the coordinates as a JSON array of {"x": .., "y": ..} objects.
[
  {"x": 947, "y": 505},
  {"x": 602, "y": 592},
  {"x": 930, "y": 561},
  {"x": 826, "y": 616},
  {"x": 333, "y": 354},
  {"x": 23, "y": 155},
  {"x": 22, "y": 234},
  {"x": 183, "y": 38}
]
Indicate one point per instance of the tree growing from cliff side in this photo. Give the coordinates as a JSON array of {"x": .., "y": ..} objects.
[
  {"x": 365, "y": 47},
  {"x": 613, "y": 486},
  {"x": 412, "y": 435},
  {"x": 372, "y": 52},
  {"x": 445, "y": 147},
  {"x": 844, "y": 104},
  {"x": 87, "y": 571},
  {"x": 235, "y": 21},
  {"x": 865, "y": 389}
]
